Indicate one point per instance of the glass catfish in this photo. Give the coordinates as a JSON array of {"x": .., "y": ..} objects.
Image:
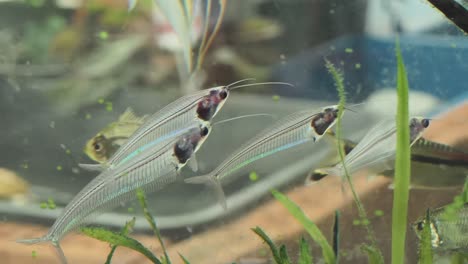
[
  {"x": 172, "y": 121},
  {"x": 291, "y": 131},
  {"x": 152, "y": 170},
  {"x": 376, "y": 151}
]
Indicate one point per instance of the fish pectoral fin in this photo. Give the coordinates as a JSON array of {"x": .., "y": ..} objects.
[
  {"x": 193, "y": 163},
  {"x": 92, "y": 167},
  {"x": 212, "y": 181}
]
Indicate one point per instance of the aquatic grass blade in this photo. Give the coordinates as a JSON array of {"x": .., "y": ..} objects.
[
  {"x": 402, "y": 164},
  {"x": 309, "y": 226},
  {"x": 425, "y": 245},
  {"x": 339, "y": 84},
  {"x": 305, "y": 255},
  {"x": 125, "y": 231},
  {"x": 184, "y": 259},
  {"x": 374, "y": 256},
  {"x": 119, "y": 240},
  {"x": 142, "y": 200},
  {"x": 274, "y": 250},
  {"x": 336, "y": 236},
  {"x": 284, "y": 255}
]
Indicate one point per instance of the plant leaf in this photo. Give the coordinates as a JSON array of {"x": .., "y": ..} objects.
[
  {"x": 271, "y": 245},
  {"x": 184, "y": 259},
  {"x": 119, "y": 240},
  {"x": 402, "y": 165},
  {"x": 284, "y": 255},
  {"x": 425, "y": 244},
  {"x": 142, "y": 199},
  {"x": 305, "y": 255},
  {"x": 309, "y": 226},
  {"x": 373, "y": 255},
  {"x": 125, "y": 231}
]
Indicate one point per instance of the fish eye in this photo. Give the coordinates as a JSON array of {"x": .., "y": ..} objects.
[
  {"x": 425, "y": 122},
  {"x": 97, "y": 146},
  {"x": 420, "y": 226},
  {"x": 204, "y": 131},
  {"x": 223, "y": 94}
]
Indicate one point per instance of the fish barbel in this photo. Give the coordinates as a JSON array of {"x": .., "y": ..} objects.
[
  {"x": 152, "y": 170},
  {"x": 291, "y": 131}
]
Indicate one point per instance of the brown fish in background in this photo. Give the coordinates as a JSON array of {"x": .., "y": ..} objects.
[{"x": 104, "y": 144}]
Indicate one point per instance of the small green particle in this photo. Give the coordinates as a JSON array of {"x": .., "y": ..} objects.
[
  {"x": 378, "y": 213},
  {"x": 365, "y": 221},
  {"x": 43, "y": 205},
  {"x": 100, "y": 101},
  {"x": 68, "y": 152},
  {"x": 88, "y": 116},
  {"x": 349, "y": 50},
  {"x": 275, "y": 98},
  {"x": 342, "y": 63},
  {"x": 453, "y": 45},
  {"x": 103, "y": 35},
  {"x": 25, "y": 166},
  {"x": 357, "y": 66},
  {"x": 51, "y": 204},
  {"x": 356, "y": 222},
  {"x": 262, "y": 252},
  {"x": 109, "y": 106},
  {"x": 130, "y": 210},
  {"x": 332, "y": 48},
  {"x": 34, "y": 254},
  {"x": 253, "y": 176},
  {"x": 59, "y": 168}
]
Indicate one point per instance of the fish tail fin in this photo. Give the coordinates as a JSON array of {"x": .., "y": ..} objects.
[
  {"x": 92, "y": 167},
  {"x": 212, "y": 181},
  {"x": 46, "y": 239}
]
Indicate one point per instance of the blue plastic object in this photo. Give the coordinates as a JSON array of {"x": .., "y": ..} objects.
[{"x": 435, "y": 64}]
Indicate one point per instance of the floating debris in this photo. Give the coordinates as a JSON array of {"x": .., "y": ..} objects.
[
  {"x": 349, "y": 50},
  {"x": 253, "y": 176}
]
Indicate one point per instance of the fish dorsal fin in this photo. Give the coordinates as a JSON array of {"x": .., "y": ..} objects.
[
  {"x": 129, "y": 117},
  {"x": 193, "y": 163}
]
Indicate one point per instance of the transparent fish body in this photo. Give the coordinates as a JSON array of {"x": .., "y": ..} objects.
[
  {"x": 152, "y": 170},
  {"x": 447, "y": 233},
  {"x": 171, "y": 121},
  {"x": 291, "y": 131},
  {"x": 376, "y": 151}
]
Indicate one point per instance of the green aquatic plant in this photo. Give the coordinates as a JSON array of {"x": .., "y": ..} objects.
[
  {"x": 142, "y": 200},
  {"x": 339, "y": 84},
  {"x": 305, "y": 255},
  {"x": 425, "y": 244},
  {"x": 459, "y": 201},
  {"x": 308, "y": 225},
  {"x": 274, "y": 250},
  {"x": 125, "y": 231},
  {"x": 402, "y": 165},
  {"x": 118, "y": 239}
]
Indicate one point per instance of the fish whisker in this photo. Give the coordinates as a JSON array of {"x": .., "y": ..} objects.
[
  {"x": 243, "y": 116},
  {"x": 262, "y": 83},
  {"x": 240, "y": 81}
]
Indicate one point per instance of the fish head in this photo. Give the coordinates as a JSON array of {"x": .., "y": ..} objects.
[
  {"x": 418, "y": 228},
  {"x": 324, "y": 120},
  {"x": 417, "y": 127},
  {"x": 211, "y": 103},
  {"x": 190, "y": 142},
  {"x": 99, "y": 148}
]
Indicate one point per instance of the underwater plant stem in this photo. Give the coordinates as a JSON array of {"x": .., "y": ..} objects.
[
  {"x": 339, "y": 83},
  {"x": 402, "y": 164}
]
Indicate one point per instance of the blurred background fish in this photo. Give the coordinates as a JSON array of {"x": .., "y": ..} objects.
[
  {"x": 433, "y": 165},
  {"x": 104, "y": 144},
  {"x": 447, "y": 234}
]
